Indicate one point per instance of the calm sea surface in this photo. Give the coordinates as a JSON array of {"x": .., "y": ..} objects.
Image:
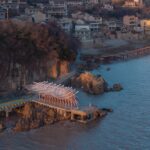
[{"x": 127, "y": 128}]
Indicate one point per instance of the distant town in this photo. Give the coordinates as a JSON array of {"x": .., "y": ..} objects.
[{"x": 87, "y": 20}]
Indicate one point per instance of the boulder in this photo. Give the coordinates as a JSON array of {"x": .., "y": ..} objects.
[
  {"x": 107, "y": 109},
  {"x": 117, "y": 87},
  {"x": 90, "y": 83},
  {"x": 99, "y": 113},
  {"x": 23, "y": 124}
]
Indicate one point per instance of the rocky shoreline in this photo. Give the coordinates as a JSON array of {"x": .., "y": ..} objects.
[
  {"x": 93, "y": 84},
  {"x": 91, "y": 62},
  {"x": 33, "y": 116}
]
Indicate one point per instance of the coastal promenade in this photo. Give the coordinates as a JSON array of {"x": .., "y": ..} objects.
[
  {"x": 12, "y": 104},
  {"x": 7, "y": 106},
  {"x": 57, "y": 97}
]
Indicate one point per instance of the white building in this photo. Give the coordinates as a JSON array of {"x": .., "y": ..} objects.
[
  {"x": 74, "y": 3},
  {"x": 83, "y": 32},
  {"x": 57, "y": 10},
  {"x": 38, "y": 16},
  {"x": 94, "y": 27},
  {"x": 108, "y": 7},
  {"x": 66, "y": 24},
  {"x": 2, "y": 13}
]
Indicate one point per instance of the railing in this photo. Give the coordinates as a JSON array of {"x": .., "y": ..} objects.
[
  {"x": 12, "y": 104},
  {"x": 65, "y": 77}
]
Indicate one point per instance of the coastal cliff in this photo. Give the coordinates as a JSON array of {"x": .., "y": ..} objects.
[{"x": 33, "y": 52}]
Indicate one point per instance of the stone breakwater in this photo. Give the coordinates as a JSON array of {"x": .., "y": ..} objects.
[{"x": 107, "y": 58}]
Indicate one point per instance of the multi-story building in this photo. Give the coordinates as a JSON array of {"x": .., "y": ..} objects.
[
  {"x": 130, "y": 21},
  {"x": 38, "y": 16},
  {"x": 94, "y": 27},
  {"x": 74, "y": 3},
  {"x": 145, "y": 25},
  {"x": 83, "y": 32},
  {"x": 2, "y": 13},
  {"x": 57, "y": 10},
  {"x": 134, "y": 3},
  {"x": 66, "y": 24}
]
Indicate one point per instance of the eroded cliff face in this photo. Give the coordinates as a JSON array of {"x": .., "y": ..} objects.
[
  {"x": 34, "y": 116},
  {"x": 64, "y": 68},
  {"x": 19, "y": 78},
  {"x": 59, "y": 68}
]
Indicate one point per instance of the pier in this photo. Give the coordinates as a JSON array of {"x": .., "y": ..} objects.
[{"x": 55, "y": 96}]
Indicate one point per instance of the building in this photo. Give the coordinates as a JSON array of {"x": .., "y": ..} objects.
[
  {"x": 134, "y": 3},
  {"x": 94, "y": 27},
  {"x": 38, "y": 16},
  {"x": 83, "y": 32},
  {"x": 113, "y": 25},
  {"x": 66, "y": 24},
  {"x": 29, "y": 10},
  {"x": 108, "y": 7},
  {"x": 74, "y": 3},
  {"x": 2, "y": 13},
  {"x": 130, "y": 21},
  {"x": 58, "y": 10},
  {"x": 117, "y": 1},
  {"x": 145, "y": 25},
  {"x": 94, "y": 2}
]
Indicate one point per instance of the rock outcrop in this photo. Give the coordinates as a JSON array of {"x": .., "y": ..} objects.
[
  {"x": 35, "y": 116},
  {"x": 59, "y": 68},
  {"x": 99, "y": 114},
  {"x": 117, "y": 87},
  {"x": 63, "y": 68},
  {"x": 90, "y": 83}
]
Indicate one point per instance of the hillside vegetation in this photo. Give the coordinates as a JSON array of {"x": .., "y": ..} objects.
[{"x": 26, "y": 48}]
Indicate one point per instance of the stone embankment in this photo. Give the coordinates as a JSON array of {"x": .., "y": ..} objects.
[{"x": 107, "y": 58}]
